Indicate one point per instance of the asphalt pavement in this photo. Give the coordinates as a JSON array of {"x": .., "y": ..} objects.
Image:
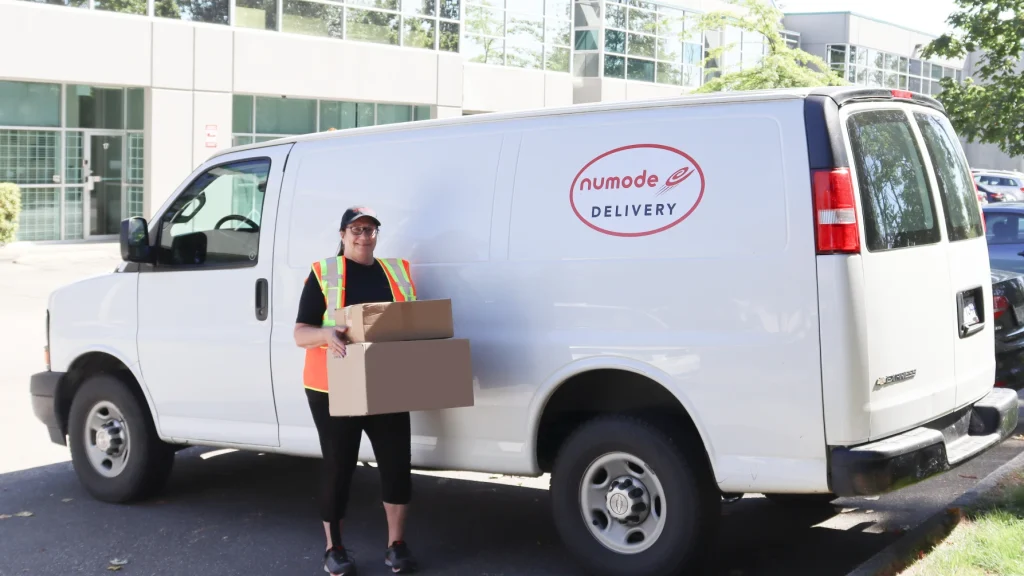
[{"x": 228, "y": 513}]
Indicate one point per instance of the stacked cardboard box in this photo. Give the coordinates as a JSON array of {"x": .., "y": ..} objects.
[{"x": 401, "y": 357}]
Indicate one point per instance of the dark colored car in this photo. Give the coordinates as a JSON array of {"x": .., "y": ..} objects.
[{"x": 1008, "y": 315}]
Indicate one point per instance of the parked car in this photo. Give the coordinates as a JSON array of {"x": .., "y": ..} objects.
[
  {"x": 612, "y": 343},
  {"x": 1004, "y": 223},
  {"x": 1007, "y": 185},
  {"x": 1008, "y": 316}
]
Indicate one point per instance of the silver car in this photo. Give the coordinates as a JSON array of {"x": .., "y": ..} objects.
[{"x": 1010, "y": 185}]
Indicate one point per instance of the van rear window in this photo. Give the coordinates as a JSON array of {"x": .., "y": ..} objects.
[
  {"x": 959, "y": 200},
  {"x": 896, "y": 199}
]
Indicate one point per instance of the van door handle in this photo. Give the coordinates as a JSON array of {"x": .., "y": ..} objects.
[{"x": 261, "y": 299}]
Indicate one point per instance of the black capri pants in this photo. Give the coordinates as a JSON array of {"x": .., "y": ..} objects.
[{"x": 390, "y": 436}]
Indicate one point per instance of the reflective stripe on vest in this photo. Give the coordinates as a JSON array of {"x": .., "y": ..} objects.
[{"x": 398, "y": 271}]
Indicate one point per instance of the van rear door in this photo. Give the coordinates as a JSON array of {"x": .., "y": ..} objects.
[{"x": 905, "y": 271}]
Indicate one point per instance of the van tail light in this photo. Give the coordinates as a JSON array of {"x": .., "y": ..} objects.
[
  {"x": 903, "y": 94},
  {"x": 999, "y": 306},
  {"x": 835, "y": 212}
]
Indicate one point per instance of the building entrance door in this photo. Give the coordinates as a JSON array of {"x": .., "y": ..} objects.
[{"x": 104, "y": 183}]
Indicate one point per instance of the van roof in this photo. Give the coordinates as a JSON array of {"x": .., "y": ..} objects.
[{"x": 840, "y": 94}]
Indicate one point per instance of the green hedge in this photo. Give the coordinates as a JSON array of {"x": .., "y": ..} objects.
[{"x": 10, "y": 208}]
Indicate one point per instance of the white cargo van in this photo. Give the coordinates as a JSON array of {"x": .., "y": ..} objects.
[{"x": 670, "y": 301}]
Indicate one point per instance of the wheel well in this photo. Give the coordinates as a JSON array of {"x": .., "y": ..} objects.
[
  {"x": 81, "y": 369},
  {"x": 601, "y": 392}
]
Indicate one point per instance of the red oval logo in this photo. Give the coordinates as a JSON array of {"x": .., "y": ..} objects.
[{"x": 637, "y": 190}]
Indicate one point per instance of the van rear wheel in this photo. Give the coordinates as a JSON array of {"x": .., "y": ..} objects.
[
  {"x": 115, "y": 449},
  {"x": 627, "y": 500}
]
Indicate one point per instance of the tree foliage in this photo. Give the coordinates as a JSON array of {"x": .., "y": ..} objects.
[
  {"x": 992, "y": 109},
  {"x": 10, "y": 209},
  {"x": 781, "y": 67}
]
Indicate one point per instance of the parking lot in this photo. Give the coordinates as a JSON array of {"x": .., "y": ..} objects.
[{"x": 228, "y": 512}]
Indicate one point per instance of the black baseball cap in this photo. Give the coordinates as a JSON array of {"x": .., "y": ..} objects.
[{"x": 357, "y": 212}]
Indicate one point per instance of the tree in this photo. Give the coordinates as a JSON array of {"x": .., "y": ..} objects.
[
  {"x": 780, "y": 67},
  {"x": 992, "y": 110}
]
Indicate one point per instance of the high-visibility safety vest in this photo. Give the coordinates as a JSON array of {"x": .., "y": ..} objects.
[{"x": 330, "y": 273}]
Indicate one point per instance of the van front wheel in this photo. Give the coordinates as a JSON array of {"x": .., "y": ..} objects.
[
  {"x": 627, "y": 500},
  {"x": 115, "y": 449}
]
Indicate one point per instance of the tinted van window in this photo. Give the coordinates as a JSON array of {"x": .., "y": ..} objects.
[
  {"x": 896, "y": 199},
  {"x": 959, "y": 201}
]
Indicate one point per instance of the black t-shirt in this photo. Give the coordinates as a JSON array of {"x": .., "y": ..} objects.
[{"x": 363, "y": 284}]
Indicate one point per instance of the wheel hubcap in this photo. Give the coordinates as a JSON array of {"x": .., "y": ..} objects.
[
  {"x": 623, "y": 503},
  {"x": 106, "y": 439}
]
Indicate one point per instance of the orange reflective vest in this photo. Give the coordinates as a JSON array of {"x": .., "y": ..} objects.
[{"x": 330, "y": 273}]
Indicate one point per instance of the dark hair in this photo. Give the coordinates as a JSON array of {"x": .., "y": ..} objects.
[{"x": 341, "y": 248}]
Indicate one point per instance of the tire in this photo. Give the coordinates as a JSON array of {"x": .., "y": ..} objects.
[
  {"x": 802, "y": 501},
  {"x": 690, "y": 505},
  {"x": 146, "y": 463}
]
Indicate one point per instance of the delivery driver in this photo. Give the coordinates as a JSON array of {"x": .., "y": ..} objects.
[{"x": 354, "y": 276}]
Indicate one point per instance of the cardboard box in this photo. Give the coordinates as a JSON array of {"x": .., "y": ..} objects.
[
  {"x": 397, "y": 321},
  {"x": 387, "y": 377}
]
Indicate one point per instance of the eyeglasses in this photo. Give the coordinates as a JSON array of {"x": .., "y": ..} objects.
[{"x": 369, "y": 231}]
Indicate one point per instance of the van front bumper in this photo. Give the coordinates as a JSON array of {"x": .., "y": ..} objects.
[
  {"x": 925, "y": 451},
  {"x": 43, "y": 387}
]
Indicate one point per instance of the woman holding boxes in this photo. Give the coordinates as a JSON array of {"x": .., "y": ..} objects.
[{"x": 353, "y": 277}]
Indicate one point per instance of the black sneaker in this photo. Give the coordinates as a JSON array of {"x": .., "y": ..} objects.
[
  {"x": 399, "y": 558},
  {"x": 337, "y": 562}
]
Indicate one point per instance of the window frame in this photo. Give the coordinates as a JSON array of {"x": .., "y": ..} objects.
[{"x": 156, "y": 225}]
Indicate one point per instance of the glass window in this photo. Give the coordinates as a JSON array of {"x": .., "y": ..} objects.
[
  {"x": 421, "y": 113},
  {"x": 29, "y": 104},
  {"x": 420, "y": 7},
  {"x": 614, "y": 16},
  {"x": 312, "y": 19},
  {"x": 948, "y": 72},
  {"x": 419, "y": 32},
  {"x": 215, "y": 222},
  {"x": 556, "y": 59},
  {"x": 936, "y": 72},
  {"x": 914, "y": 85},
  {"x": 241, "y": 114},
  {"x": 614, "y": 66},
  {"x": 851, "y": 74},
  {"x": 1003, "y": 228},
  {"x": 527, "y": 29},
  {"x": 258, "y": 14},
  {"x": 209, "y": 11},
  {"x": 669, "y": 73},
  {"x": 337, "y": 115},
  {"x": 891, "y": 62},
  {"x": 641, "y": 45},
  {"x": 585, "y": 40},
  {"x": 915, "y": 67},
  {"x": 450, "y": 9},
  {"x": 381, "y": 4},
  {"x": 30, "y": 156},
  {"x": 449, "y": 39},
  {"x": 484, "y": 50},
  {"x": 89, "y": 107},
  {"x": 136, "y": 108},
  {"x": 837, "y": 55},
  {"x": 371, "y": 26},
  {"x": 285, "y": 115},
  {"x": 640, "y": 70},
  {"x": 936, "y": 88},
  {"x": 643, "y": 21},
  {"x": 393, "y": 114},
  {"x": 123, "y": 6},
  {"x": 858, "y": 56},
  {"x": 895, "y": 197},
  {"x": 903, "y": 65},
  {"x": 903, "y": 81},
  {"x": 959, "y": 76},
  {"x": 615, "y": 41},
  {"x": 588, "y": 14},
  {"x": 241, "y": 140},
  {"x": 524, "y": 53},
  {"x": 559, "y": 9},
  {"x": 485, "y": 21},
  {"x": 692, "y": 54},
  {"x": 891, "y": 80},
  {"x": 963, "y": 218},
  {"x": 365, "y": 114},
  {"x": 558, "y": 32},
  {"x": 670, "y": 50},
  {"x": 535, "y": 7},
  {"x": 671, "y": 22},
  {"x": 926, "y": 70}
]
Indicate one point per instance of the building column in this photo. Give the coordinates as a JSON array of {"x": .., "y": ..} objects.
[{"x": 167, "y": 159}]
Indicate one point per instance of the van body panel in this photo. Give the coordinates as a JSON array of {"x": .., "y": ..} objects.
[
  {"x": 106, "y": 324},
  {"x": 202, "y": 348}
]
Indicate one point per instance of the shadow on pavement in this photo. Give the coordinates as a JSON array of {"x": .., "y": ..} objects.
[{"x": 243, "y": 513}]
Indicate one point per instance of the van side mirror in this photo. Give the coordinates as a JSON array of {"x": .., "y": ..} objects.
[{"x": 135, "y": 240}]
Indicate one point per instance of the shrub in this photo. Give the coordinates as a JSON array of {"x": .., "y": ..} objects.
[{"x": 10, "y": 208}]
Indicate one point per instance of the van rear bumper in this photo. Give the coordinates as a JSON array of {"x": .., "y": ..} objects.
[{"x": 925, "y": 451}]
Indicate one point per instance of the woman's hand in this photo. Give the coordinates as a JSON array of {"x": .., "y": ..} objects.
[{"x": 332, "y": 337}]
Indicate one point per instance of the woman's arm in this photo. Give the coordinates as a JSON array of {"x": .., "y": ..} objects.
[{"x": 307, "y": 336}]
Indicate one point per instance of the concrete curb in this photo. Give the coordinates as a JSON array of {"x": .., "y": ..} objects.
[{"x": 896, "y": 557}]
